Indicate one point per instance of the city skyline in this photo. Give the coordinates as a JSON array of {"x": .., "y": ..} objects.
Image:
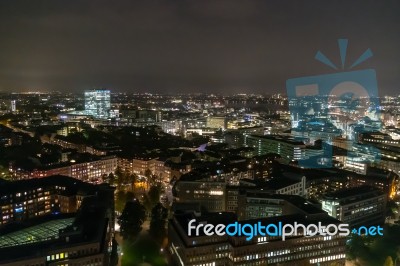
[
  {"x": 220, "y": 47},
  {"x": 199, "y": 133}
]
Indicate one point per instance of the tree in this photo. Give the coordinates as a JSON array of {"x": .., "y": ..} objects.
[
  {"x": 114, "y": 253},
  {"x": 159, "y": 216},
  {"x": 357, "y": 248},
  {"x": 154, "y": 195},
  {"x": 388, "y": 261},
  {"x": 131, "y": 219},
  {"x": 130, "y": 196},
  {"x": 391, "y": 208},
  {"x": 111, "y": 179},
  {"x": 131, "y": 179},
  {"x": 119, "y": 174},
  {"x": 104, "y": 178},
  {"x": 148, "y": 176},
  {"x": 120, "y": 201}
]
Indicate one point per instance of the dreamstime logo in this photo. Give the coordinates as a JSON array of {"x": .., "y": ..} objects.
[{"x": 278, "y": 230}]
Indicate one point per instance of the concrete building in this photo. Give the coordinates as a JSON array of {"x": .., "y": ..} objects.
[
  {"x": 13, "y": 106},
  {"x": 88, "y": 170},
  {"x": 210, "y": 195},
  {"x": 26, "y": 199},
  {"x": 98, "y": 103},
  {"x": 83, "y": 239},
  {"x": 218, "y": 122},
  {"x": 357, "y": 206},
  {"x": 220, "y": 196},
  {"x": 227, "y": 250},
  {"x": 288, "y": 148}
]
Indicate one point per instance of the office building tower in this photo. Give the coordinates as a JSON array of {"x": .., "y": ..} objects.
[
  {"x": 97, "y": 103},
  {"x": 13, "y": 105}
]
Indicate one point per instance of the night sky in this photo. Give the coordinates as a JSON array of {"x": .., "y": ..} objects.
[{"x": 190, "y": 46}]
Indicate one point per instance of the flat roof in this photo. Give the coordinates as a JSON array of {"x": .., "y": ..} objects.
[
  {"x": 298, "y": 201},
  {"x": 34, "y": 234},
  {"x": 354, "y": 192},
  {"x": 286, "y": 139},
  {"x": 71, "y": 184}
]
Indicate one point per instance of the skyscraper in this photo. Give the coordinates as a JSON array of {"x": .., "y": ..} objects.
[
  {"x": 97, "y": 103},
  {"x": 13, "y": 105}
]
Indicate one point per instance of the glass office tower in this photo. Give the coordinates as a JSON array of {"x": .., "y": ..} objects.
[{"x": 97, "y": 103}]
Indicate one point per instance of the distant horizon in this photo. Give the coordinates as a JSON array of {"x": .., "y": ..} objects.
[
  {"x": 227, "y": 46},
  {"x": 116, "y": 91}
]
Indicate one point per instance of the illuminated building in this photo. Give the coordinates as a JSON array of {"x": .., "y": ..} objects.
[
  {"x": 288, "y": 148},
  {"x": 87, "y": 170},
  {"x": 84, "y": 239},
  {"x": 26, "y": 199},
  {"x": 210, "y": 195},
  {"x": 261, "y": 250},
  {"x": 218, "y": 122},
  {"x": 98, "y": 103},
  {"x": 218, "y": 196},
  {"x": 13, "y": 106},
  {"x": 357, "y": 206},
  {"x": 236, "y": 137}
]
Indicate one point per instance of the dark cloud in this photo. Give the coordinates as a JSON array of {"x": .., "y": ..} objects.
[{"x": 187, "y": 46}]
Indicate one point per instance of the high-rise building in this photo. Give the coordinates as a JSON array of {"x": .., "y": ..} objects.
[
  {"x": 98, "y": 103},
  {"x": 13, "y": 105}
]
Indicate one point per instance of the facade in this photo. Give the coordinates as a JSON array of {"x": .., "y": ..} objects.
[
  {"x": 215, "y": 196},
  {"x": 98, "y": 103},
  {"x": 85, "y": 171},
  {"x": 218, "y": 122},
  {"x": 26, "y": 199},
  {"x": 287, "y": 186},
  {"x": 13, "y": 106},
  {"x": 255, "y": 204},
  {"x": 236, "y": 138},
  {"x": 357, "y": 206},
  {"x": 162, "y": 169},
  {"x": 235, "y": 250},
  {"x": 210, "y": 195},
  {"x": 288, "y": 148},
  {"x": 82, "y": 148}
]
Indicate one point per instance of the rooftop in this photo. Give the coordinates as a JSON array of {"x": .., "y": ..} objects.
[
  {"x": 286, "y": 139},
  {"x": 353, "y": 194},
  {"x": 38, "y": 233},
  {"x": 88, "y": 226},
  {"x": 71, "y": 184}
]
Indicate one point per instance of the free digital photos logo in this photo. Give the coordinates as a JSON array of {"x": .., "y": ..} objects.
[
  {"x": 340, "y": 104},
  {"x": 279, "y": 229}
]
